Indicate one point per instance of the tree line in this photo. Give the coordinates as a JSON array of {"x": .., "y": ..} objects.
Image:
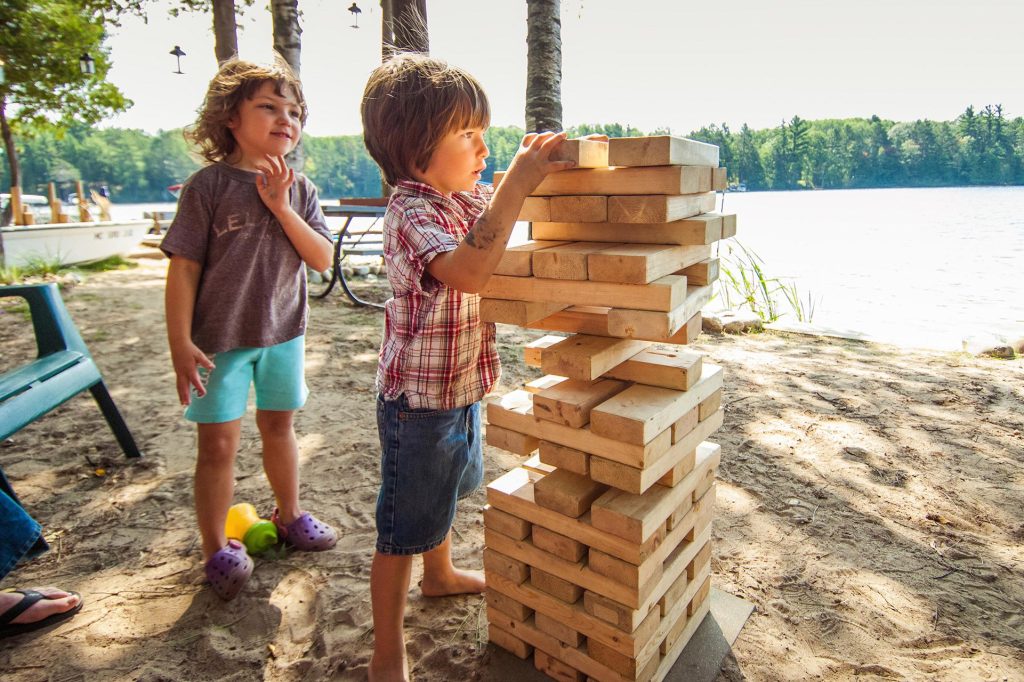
[{"x": 980, "y": 147}]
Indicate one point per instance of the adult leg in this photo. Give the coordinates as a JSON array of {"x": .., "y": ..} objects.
[
  {"x": 281, "y": 460},
  {"x": 441, "y": 578},
  {"x": 215, "y": 481},
  {"x": 389, "y": 585}
]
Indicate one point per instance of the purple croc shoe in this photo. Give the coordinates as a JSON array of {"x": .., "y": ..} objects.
[
  {"x": 229, "y": 569},
  {"x": 306, "y": 533}
]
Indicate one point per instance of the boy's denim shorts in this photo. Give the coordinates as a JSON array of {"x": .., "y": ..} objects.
[
  {"x": 277, "y": 372},
  {"x": 430, "y": 459}
]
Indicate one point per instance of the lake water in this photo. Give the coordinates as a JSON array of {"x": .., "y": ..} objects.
[{"x": 916, "y": 267}]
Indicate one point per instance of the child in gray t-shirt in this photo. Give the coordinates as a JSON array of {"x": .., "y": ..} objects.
[{"x": 245, "y": 229}]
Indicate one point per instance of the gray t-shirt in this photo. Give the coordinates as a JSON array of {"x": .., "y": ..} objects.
[{"x": 252, "y": 291}]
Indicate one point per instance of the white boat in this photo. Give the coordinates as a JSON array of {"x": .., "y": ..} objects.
[{"x": 71, "y": 243}]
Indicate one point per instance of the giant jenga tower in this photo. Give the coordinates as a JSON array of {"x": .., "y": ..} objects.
[{"x": 598, "y": 555}]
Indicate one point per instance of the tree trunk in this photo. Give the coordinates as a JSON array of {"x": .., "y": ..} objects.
[
  {"x": 225, "y": 30},
  {"x": 405, "y": 26},
  {"x": 288, "y": 44},
  {"x": 543, "y": 66},
  {"x": 12, "y": 164}
]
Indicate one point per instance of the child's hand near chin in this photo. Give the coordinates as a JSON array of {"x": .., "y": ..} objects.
[{"x": 276, "y": 178}]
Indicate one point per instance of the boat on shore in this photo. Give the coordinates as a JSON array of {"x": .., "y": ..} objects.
[{"x": 70, "y": 243}]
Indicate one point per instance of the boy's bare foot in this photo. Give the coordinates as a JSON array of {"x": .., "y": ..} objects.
[
  {"x": 453, "y": 582},
  {"x": 386, "y": 672}
]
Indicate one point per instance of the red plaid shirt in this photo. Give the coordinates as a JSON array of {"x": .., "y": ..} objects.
[{"x": 435, "y": 349}]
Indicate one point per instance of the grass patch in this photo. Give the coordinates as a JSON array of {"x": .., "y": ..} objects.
[
  {"x": 38, "y": 266},
  {"x": 743, "y": 283},
  {"x": 107, "y": 264}
]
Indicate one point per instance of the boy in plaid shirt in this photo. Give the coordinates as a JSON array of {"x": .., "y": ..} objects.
[{"x": 424, "y": 124}]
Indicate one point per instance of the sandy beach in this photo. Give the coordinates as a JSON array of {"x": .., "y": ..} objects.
[{"x": 870, "y": 507}]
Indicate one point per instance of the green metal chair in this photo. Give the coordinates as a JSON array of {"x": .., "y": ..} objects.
[{"x": 63, "y": 369}]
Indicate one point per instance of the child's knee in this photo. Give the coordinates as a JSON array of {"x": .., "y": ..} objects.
[{"x": 275, "y": 423}]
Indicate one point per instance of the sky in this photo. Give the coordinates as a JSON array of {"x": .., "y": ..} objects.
[{"x": 676, "y": 64}]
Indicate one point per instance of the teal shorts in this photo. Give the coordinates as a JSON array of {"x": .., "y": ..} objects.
[{"x": 277, "y": 372}]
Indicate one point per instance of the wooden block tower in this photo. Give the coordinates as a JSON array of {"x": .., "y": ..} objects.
[{"x": 598, "y": 555}]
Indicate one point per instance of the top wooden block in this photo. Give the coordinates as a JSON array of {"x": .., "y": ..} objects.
[
  {"x": 661, "y": 150},
  {"x": 585, "y": 153}
]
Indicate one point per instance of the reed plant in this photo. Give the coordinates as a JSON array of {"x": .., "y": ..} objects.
[{"x": 743, "y": 283}]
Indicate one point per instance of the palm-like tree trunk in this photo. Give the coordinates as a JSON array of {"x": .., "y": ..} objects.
[
  {"x": 288, "y": 44},
  {"x": 404, "y": 27},
  {"x": 225, "y": 30},
  {"x": 543, "y": 65}
]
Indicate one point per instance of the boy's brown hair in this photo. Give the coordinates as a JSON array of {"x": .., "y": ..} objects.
[
  {"x": 237, "y": 80},
  {"x": 410, "y": 103}
]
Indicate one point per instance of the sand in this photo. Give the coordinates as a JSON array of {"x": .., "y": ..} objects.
[{"x": 870, "y": 506}]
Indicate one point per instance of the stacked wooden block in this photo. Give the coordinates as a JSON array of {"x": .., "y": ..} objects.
[{"x": 598, "y": 555}]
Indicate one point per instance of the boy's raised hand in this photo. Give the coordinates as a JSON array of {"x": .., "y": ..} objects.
[
  {"x": 276, "y": 178},
  {"x": 533, "y": 161}
]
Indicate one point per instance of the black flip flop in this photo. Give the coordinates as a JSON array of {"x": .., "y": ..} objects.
[{"x": 9, "y": 629}]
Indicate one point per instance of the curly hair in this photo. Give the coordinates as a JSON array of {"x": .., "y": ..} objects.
[
  {"x": 410, "y": 103},
  {"x": 237, "y": 80}
]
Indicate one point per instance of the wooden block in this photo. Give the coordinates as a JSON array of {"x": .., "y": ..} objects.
[
  {"x": 623, "y": 572},
  {"x": 556, "y": 669},
  {"x": 700, "y": 229},
  {"x": 577, "y": 209},
  {"x": 560, "y": 545},
  {"x": 677, "y": 516},
  {"x": 555, "y": 586},
  {"x": 705, "y": 485},
  {"x": 624, "y": 181},
  {"x": 685, "y": 424},
  {"x": 674, "y": 593},
  {"x": 563, "y": 457},
  {"x": 519, "y": 443},
  {"x": 585, "y": 153},
  {"x": 645, "y": 324},
  {"x": 653, "y": 208},
  {"x": 676, "y": 474},
  {"x": 508, "y": 642},
  {"x": 543, "y": 383},
  {"x": 567, "y": 493},
  {"x": 728, "y": 227},
  {"x": 532, "y": 351},
  {"x": 700, "y": 562},
  {"x": 660, "y": 150},
  {"x": 514, "y": 411},
  {"x": 641, "y": 263},
  {"x": 536, "y": 209},
  {"x": 698, "y": 599},
  {"x": 664, "y": 294},
  {"x": 661, "y": 365},
  {"x": 719, "y": 179},
  {"x": 585, "y": 357},
  {"x": 570, "y": 402},
  {"x": 593, "y": 320},
  {"x": 568, "y": 261},
  {"x": 636, "y": 517},
  {"x": 639, "y": 479},
  {"x": 520, "y": 313},
  {"x": 702, "y": 273},
  {"x": 507, "y": 605},
  {"x": 517, "y": 260},
  {"x": 498, "y": 563},
  {"x": 611, "y": 611},
  {"x": 506, "y": 524},
  {"x": 557, "y": 629},
  {"x": 710, "y": 405},
  {"x": 641, "y": 412},
  {"x": 626, "y": 666}
]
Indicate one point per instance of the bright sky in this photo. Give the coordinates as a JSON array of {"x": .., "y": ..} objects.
[{"x": 647, "y": 63}]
